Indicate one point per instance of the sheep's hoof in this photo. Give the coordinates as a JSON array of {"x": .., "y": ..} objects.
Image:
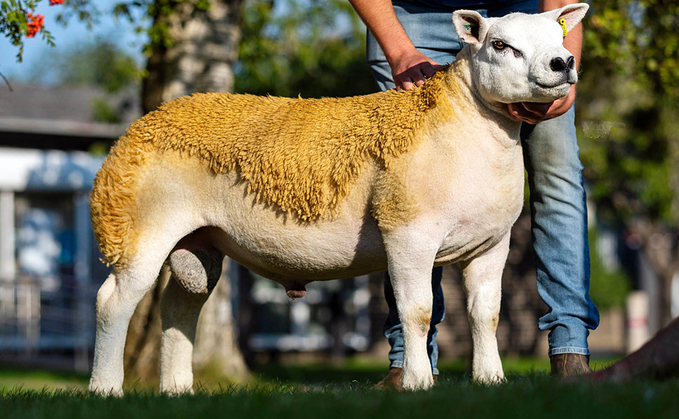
[
  {"x": 412, "y": 383},
  {"x": 490, "y": 379},
  {"x": 106, "y": 392}
]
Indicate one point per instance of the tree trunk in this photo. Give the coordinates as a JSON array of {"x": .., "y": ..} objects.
[
  {"x": 203, "y": 47},
  {"x": 657, "y": 359},
  {"x": 662, "y": 250}
]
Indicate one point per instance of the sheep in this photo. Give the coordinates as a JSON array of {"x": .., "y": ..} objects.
[{"x": 300, "y": 190}]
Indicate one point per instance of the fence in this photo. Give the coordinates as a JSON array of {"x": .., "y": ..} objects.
[{"x": 35, "y": 321}]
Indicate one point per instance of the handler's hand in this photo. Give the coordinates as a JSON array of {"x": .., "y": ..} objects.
[
  {"x": 410, "y": 70},
  {"x": 534, "y": 113}
]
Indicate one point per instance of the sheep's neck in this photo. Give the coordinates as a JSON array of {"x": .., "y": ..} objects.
[{"x": 494, "y": 112}]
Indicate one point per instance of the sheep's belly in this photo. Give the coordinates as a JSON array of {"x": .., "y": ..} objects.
[
  {"x": 304, "y": 253},
  {"x": 269, "y": 242}
]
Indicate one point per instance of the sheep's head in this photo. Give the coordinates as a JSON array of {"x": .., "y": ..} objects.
[{"x": 521, "y": 57}]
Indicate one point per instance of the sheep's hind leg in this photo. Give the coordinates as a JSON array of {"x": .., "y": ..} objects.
[
  {"x": 116, "y": 301},
  {"x": 195, "y": 270},
  {"x": 482, "y": 278}
]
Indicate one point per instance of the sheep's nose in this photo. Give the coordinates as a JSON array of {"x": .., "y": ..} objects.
[{"x": 558, "y": 64}]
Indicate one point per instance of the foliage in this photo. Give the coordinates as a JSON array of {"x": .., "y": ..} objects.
[
  {"x": 629, "y": 105},
  {"x": 629, "y": 98},
  {"x": 105, "y": 112},
  {"x": 16, "y": 17},
  {"x": 158, "y": 11},
  {"x": 100, "y": 63},
  {"x": 608, "y": 287},
  {"x": 18, "y": 20},
  {"x": 311, "y": 49}
]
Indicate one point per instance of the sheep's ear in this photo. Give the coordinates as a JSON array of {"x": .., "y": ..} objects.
[
  {"x": 471, "y": 27},
  {"x": 571, "y": 15}
]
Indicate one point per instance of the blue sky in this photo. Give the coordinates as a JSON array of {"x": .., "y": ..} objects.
[{"x": 121, "y": 31}]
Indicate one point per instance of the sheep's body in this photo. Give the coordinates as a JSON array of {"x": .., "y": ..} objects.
[
  {"x": 328, "y": 182},
  {"x": 303, "y": 190}
]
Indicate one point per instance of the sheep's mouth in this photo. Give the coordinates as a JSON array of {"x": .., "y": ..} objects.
[{"x": 555, "y": 86}]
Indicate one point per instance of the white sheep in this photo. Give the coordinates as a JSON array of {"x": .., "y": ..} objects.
[{"x": 302, "y": 190}]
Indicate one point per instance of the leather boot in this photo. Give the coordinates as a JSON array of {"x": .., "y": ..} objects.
[
  {"x": 392, "y": 381},
  {"x": 566, "y": 365}
]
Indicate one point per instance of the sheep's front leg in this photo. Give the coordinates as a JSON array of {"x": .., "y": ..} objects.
[
  {"x": 483, "y": 284},
  {"x": 410, "y": 264}
]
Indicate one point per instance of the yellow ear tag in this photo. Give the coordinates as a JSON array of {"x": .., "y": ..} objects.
[{"x": 562, "y": 22}]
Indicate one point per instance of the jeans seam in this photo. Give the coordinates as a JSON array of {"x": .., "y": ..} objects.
[{"x": 569, "y": 350}]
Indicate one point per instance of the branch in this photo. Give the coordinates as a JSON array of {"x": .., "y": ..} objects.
[{"x": 6, "y": 82}]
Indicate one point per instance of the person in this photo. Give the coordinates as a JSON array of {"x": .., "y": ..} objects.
[{"x": 407, "y": 41}]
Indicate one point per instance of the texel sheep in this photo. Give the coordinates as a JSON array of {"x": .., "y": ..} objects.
[{"x": 300, "y": 190}]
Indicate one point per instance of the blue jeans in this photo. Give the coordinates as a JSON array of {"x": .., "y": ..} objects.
[{"x": 557, "y": 199}]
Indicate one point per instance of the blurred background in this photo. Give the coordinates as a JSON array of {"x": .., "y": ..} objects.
[{"x": 63, "y": 107}]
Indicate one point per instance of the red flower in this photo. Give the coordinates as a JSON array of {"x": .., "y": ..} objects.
[
  {"x": 35, "y": 23},
  {"x": 55, "y": 2}
]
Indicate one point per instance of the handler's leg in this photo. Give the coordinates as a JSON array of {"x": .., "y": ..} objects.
[{"x": 559, "y": 229}]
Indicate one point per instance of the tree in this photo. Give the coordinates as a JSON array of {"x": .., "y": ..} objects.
[
  {"x": 631, "y": 80},
  {"x": 193, "y": 49}
]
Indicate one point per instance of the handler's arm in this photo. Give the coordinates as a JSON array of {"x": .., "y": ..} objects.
[
  {"x": 538, "y": 112},
  {"x": 409, "y": 67}
]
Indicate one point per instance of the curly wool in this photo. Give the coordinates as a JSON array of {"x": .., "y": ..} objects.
[{"x": 299, "y": 155}]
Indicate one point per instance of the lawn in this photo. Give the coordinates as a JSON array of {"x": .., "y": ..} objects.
[{"x": 322, "y": 391}]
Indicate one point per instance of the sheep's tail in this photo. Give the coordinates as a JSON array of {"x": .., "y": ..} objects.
[{"x": 113, "y": 200}]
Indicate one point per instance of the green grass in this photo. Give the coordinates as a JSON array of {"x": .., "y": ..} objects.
[
  {"x": 327, "y": 392},
  {"x": 17, "y": 378}
]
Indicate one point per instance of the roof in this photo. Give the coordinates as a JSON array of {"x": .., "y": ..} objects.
[{"x": 61, "y": 117}]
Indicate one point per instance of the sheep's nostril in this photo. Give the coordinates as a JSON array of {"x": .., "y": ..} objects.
[
  {"x": 570, "y": 63},
  {"x": 557, "y": 64}
]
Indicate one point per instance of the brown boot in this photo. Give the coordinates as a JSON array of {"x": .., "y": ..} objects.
[
  {"x": 566, "y": 365},
  {"x": 393, "y": 380}
]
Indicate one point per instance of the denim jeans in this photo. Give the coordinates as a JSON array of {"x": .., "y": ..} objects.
[{"x": 557, "y": 199}]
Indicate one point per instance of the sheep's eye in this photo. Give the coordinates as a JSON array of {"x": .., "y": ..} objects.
[{"x": 499, "y": 45}]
